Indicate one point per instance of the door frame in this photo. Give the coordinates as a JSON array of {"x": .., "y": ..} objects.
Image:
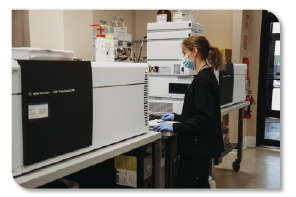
[{"x": 267, "y": 18}]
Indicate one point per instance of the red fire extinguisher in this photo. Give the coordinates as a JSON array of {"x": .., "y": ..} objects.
[
  {"x": 246, "y": 61},
  {"x": 248, "y": 109}
]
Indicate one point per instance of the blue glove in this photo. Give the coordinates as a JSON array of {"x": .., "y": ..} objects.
[
  {"x": 164, "y": 126},
  {"x": 168, "y": 117}
]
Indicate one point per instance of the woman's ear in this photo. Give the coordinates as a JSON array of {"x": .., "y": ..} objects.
[{"x": 196, "y": 52}]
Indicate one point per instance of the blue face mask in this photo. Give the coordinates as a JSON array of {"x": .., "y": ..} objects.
[{"x": 187, "y": 63}]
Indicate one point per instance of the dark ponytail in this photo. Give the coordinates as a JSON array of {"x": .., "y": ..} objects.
[{"x": 215, "y": 59}]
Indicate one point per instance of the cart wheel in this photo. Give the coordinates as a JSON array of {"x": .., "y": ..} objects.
[{"x": 236, "y": 166}]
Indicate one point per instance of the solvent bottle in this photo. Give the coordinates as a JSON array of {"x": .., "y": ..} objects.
[
  {"x": 101, "y": 46},
  {"x": 163, "y": 16}
]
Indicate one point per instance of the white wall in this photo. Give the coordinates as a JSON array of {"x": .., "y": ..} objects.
[
  {"x": 254, "y": 33},
  {"x": 253, "y": 52},
  {"x": 46, "y": 29},
  {"x": 218, "y": 25},
  {"x": 26, "y": 28},
  {"x": 16, "y": 28},
  {"x": 61, "y": 29},
  {"x": 78, "y": 33},
  {"x": 20, "y": 28},
  {"x": 237, "y": 50}
]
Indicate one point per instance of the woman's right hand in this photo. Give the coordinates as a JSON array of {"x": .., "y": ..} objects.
[{"x": 168, "y": 117}]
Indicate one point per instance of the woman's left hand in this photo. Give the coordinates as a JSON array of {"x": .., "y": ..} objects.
[{"x": 164, "y": 126}]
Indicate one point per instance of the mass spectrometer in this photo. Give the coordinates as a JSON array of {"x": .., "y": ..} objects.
[{"x": 61, "y": 109}]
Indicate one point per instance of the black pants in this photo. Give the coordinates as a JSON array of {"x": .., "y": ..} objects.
[{"x": 193, "y": 173}]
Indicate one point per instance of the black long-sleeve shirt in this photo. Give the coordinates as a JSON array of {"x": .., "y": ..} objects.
[{"x": 200, "y": 128}]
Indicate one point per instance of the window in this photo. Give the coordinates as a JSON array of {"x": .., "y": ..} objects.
[{"x": 276, "y": 27}]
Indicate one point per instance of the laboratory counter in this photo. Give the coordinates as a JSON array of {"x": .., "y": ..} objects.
[{"x": 66, "y": 167}]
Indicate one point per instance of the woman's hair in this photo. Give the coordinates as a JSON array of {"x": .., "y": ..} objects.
[{"x": 207, "y": 52}]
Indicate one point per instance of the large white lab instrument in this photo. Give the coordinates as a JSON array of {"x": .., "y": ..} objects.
[{"x": 120, "y": 106}]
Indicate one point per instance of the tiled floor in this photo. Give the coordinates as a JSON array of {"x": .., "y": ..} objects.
[
  {"x": 272, "y": 129},
  {"x": 259, "y": 169}
]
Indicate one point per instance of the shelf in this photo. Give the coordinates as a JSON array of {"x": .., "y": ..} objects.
[
  {"x": 58, "y": 170},
  {"x": 227, "y": 149},
  {"x": 232, "y": 108}
]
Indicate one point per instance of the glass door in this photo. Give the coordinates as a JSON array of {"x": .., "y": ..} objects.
[
  {"x": 269, "y": 87},
  {"x": 273, "y": 74},
  {"x": 273, "y": 90}
]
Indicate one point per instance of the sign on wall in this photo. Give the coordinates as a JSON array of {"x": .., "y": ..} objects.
[
  {"x": 247, "y": 21},
  {"x": 246, "y": 42}
]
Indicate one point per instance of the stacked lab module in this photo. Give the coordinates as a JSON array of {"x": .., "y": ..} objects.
[{"x": 169, "y": 79}]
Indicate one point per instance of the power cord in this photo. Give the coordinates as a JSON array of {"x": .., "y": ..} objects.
[{"x": 141, "y": 48}]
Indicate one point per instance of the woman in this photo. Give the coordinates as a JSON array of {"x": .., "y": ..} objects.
[{"x": 200, "y": 122}]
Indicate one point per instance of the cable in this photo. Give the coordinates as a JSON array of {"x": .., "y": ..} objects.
[
  {"x": 141, "y": 48},
  {"x": 120, "y": 14},
  {"x": 247, "y": 87},
  {"x": 195, "y": 17},
  {"x": 105, "y": 16}
]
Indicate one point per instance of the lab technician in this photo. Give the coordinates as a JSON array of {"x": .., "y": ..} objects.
[{"x": 200, "y": 122}]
